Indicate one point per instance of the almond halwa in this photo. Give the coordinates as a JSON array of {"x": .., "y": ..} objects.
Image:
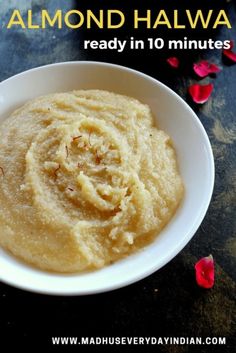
[{"x": 86, "y": 178}]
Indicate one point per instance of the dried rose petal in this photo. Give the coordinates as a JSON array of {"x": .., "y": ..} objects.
[
  {"x": 231, "y": 43},
  {"x": 229, "y": 53},
  {"x": 173, "y": 62},
  {"x": 200, "y": 93},
  {"x": 204, "y": 68},
  {"x": 205, "y": 273}
]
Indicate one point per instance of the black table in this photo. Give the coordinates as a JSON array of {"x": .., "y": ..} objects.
[{"x": 167, "y": 303}]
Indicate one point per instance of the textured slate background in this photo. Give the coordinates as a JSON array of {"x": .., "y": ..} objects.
[{"x": 167, "y": 303}]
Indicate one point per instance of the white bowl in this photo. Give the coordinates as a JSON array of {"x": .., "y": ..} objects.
[{"x": 194, "y": 155}]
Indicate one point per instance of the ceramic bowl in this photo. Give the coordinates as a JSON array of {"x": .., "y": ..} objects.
[{"x": 194, "y": 156}]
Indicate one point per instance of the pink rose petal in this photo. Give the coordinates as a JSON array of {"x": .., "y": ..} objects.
[
  {"x": 200, "y": 93},
  {"x": 229, "y": 53},
  {"x": 205, "y": 272},
  {"x": 231, "y": 43},
  {"x": 204, "y": 68},
  {"x": 173, "y": 62}
]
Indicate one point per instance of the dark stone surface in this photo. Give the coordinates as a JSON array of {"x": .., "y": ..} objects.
[{"x": 167, "y": 303}]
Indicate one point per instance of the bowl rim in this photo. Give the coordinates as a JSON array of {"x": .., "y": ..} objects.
[{"x": 172, "y": 253}]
